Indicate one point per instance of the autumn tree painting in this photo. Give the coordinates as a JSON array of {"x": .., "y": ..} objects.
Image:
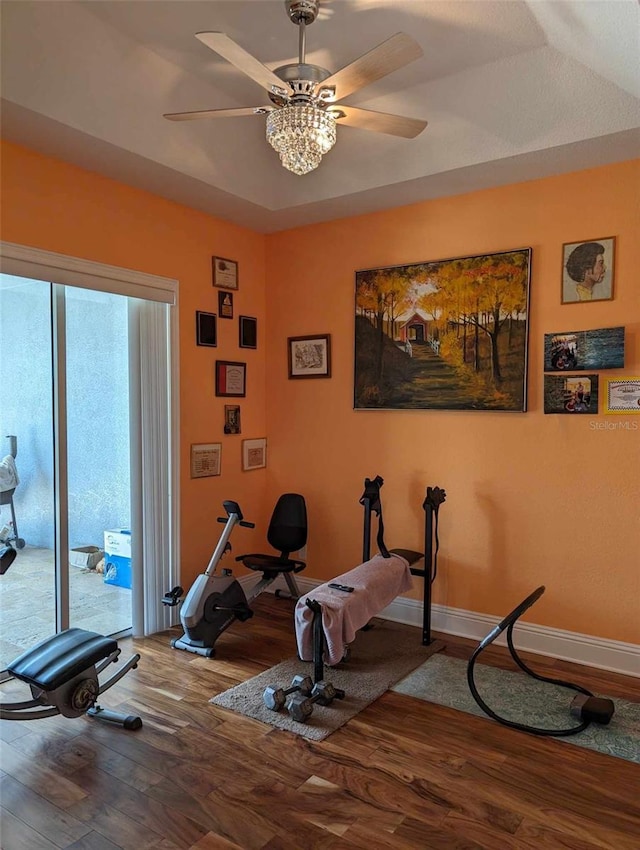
[{"x": 448, "y": 335}]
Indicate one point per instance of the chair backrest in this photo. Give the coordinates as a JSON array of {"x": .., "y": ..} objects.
[{"x": 288, "y": 527}]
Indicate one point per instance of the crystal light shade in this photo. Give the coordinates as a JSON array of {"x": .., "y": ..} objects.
[{"x": 301, "y": 133}]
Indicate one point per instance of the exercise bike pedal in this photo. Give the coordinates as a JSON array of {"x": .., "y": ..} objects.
[
  {"x": 243, "y": 614},
  {"x": 173, "y": 597}
]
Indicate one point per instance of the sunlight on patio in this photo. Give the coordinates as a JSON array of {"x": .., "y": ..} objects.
[{"x": 27, "y": 599}]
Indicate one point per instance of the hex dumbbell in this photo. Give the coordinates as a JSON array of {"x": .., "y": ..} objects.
[
  {"x": 300, "y": 707},
  {"x": 275, "y": 698}
]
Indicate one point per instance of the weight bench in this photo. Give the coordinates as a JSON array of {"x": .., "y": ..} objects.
[
  {"x": 375, "y": 583},
  {"x": 372, "y": 585},
  {"x": 62, "y": 672}
]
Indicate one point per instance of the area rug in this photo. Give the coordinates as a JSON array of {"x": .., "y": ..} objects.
[
  {"x": 518, "y": 697},
  {"x": 379, "y": 658}
]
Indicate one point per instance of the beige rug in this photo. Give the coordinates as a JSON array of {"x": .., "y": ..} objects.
[{"x": 380, "y": 657}]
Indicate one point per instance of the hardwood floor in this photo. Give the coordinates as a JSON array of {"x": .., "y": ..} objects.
[{"x": 402, "y": 774}]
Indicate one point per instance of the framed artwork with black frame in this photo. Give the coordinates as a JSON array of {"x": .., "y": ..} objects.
[
  {"x": 206, "y": 329},
  {"x": 225, "y": 305},
  {"x": 449, "y": 334},
  {"x": 248, "y": 328},
  {"x": 231, "y": 378},
  {"x": 309, "y": 356},
  {"x": 225, "y": 273}
]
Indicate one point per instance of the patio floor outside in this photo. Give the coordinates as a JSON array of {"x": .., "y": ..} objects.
[{"x": 27, "y": 602}]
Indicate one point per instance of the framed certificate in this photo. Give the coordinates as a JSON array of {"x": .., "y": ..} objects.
[
  {"x": 254, "y": 454},
  {"x": 231, "y": 378},
  {"x": 205, "y": 459},
  {"x": 622, "y": 395},
  {"x": 225, "y": 273}
]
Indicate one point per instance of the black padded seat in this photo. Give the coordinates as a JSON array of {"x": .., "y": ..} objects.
[
  {"x": 59, "y": 658},
  {"x": 287, "y": 533},
  {"x": 271, "y": 564}
]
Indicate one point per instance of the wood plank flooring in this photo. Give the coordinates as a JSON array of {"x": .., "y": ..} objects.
[{"x": 402, "y": 774}]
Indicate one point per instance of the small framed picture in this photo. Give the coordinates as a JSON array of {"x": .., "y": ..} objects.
[
  {"x": 588, "y": 270},
  {"x": 231, "y": 378},
  {"x": 248, "y": 332},
  {"x": 206, "y": 329},
  {"x": 225, "y": 305},
  {"x": 581, "y": 351},
  {"x": 225, "y": 273},
  {"x": 622, "y": 395},
  {"x": 571, "y": 394},
  {"x": 205, "y": 459},
  {"x": 254, "y": 454},
  {"x": 232, "y": 419},
  {"x": 309, "y": 356}
]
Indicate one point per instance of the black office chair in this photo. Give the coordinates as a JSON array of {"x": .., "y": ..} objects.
[{"x": 287, "y": 533}]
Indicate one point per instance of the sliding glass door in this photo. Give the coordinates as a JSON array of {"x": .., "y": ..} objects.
[
  {"x": 98, "y": 460},
  {"x": 27, "y": 515},
  {"x": 82, "y": 367},
  {"x": 64, "y": 353}
]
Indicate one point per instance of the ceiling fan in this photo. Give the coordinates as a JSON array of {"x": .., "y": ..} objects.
[{"x": 302, "y": 116}]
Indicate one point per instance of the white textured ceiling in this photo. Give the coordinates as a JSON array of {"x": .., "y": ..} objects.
[{"x": 512, "y": 90}]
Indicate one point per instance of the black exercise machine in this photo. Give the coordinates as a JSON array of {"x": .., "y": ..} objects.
[
  {"x": 215, "y": 601},
  {"x": 435, "y": 497},
  {"x": 62, "y": 672},
  {"x": 371, "y": 501},
  {"x": 585, "y": 707}
]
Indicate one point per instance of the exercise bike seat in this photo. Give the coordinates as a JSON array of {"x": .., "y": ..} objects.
[
  {"x": 271, "y": 563},
  {"x": 59, "y": 658},
  {"x": 287, "y": 533}
]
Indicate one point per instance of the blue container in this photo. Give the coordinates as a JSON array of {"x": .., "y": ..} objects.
[{"x": 117, "y": 557}]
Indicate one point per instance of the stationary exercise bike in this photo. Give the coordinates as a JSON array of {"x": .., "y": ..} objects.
[{"x": 215, "y": 601}]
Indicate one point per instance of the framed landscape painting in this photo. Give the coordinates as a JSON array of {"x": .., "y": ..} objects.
[{"x": 444, "y": 334}]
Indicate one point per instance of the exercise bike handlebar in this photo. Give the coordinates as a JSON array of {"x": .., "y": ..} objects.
[
  {"x": 243, "y": 522},
  {"x": 234, "y": 517}
]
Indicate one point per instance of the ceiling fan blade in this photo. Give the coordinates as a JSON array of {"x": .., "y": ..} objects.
[
  {"x": 224, "y": 46},
  {"x": 218, "y": 113},
  {"x": 394, "y": 53},
  {"x": 379, "y": 122}
]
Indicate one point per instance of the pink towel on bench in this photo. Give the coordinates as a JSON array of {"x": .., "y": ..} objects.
[{"x": 376, "y": 583}]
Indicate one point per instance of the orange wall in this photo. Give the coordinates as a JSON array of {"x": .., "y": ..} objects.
[
  {"x": 531, "y": 499},
  {"x": 50, "y": 205}
]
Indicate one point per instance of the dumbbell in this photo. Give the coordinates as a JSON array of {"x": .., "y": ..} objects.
[
  {"x": 300, "y": 707},
  {"x": 275, "y": 698}
]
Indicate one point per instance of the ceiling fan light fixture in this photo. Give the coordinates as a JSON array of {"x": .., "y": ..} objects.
[{"x": 301, "y": 133}]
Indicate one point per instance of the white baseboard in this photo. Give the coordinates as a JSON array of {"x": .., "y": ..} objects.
[{"x": 612, "y": 655}]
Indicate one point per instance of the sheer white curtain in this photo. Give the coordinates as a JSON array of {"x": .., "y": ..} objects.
[{"x": 153, "y": 465}]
